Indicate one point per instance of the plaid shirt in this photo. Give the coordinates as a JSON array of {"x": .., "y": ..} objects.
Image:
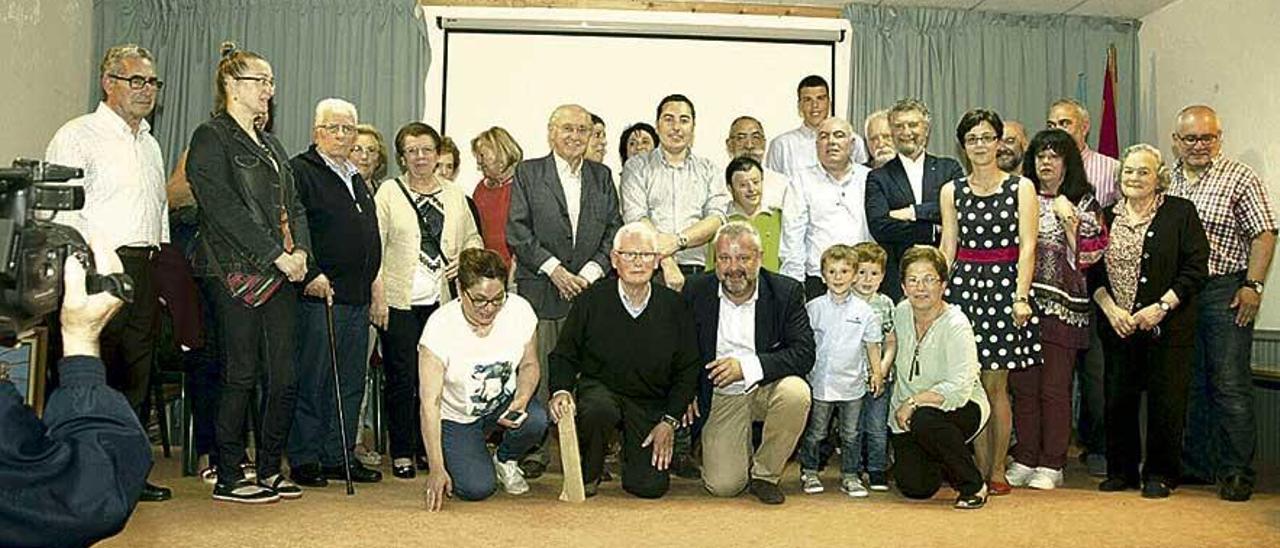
[{"x": 1234, "y": 208}]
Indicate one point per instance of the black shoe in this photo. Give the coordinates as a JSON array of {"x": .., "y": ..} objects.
[
  {"x": 590, "y": 488},
  {"x": 308, "y": 475},
  {"x": 974, "y": 501},
  {"x": 1116, "y": 483},
  {"x": 155, "y": 493},
  {"x": 532, "y": 469},
  {"x": 282, "y": 486},
  {"x": 404, "y": 471},
  {"x": 768, "y": 493},
  {"x": 244, "y": 491},
  {"x": 1235, "y": 488},
  {"x": 877, "y": 481},
  {"x": 422, "y": 462},
  {"x": 684, "y": 466},
  {"x": 1155, "y": 488},
  {"x": 359, "y": 474}
]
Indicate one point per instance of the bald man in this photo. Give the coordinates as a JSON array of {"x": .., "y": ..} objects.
[
  {"x": 825, "y": 206},
  {"x": 1013, "y": 146},
  {"x": 564, "y": 212},
  {"x": 1240, "y": 223}
]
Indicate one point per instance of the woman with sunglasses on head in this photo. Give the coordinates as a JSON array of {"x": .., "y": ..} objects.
[
  {"x": 425, "y": 224},
  {"x": 479, "y": 367}
]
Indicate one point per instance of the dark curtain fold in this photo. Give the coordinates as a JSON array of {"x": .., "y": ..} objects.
[
  {"x": 370, "y": 52},
  {"x": 955, "y": 60}
]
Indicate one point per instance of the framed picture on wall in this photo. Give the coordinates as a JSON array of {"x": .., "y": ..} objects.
[{"x": 26, "y": 362}]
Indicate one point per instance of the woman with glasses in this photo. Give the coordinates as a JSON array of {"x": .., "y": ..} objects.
[
  {"x": 1153, "y": 268},
  {"x": 1071, "y": 239},
  {"x": 370, "y": 156},
  {"x": 478, "y": 363},
  {"x": 425, "y": 224},
  {"x": 989, "y": 227},
  {"x": 254, "y": 239},
  {"x": 938, "y": 400}
]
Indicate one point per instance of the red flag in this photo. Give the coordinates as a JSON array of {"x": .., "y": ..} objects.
[{"x": 1108, "y": 142}]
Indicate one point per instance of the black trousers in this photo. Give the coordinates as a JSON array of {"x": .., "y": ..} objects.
[
  {"x": 128, "y": 340},
  {"x": 599, "y": 413},
  {"x": 400, "y": 365},
  {"x": 258, "y": 345},
  {"x": 935, "y": 451},
  {"x": 1162, "y": 367}
]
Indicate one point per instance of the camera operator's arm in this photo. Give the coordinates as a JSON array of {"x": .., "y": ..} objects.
[{"x": 76, "y": 480}]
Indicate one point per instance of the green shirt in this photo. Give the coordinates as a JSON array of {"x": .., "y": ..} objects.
[
  {"x": 948, "y": 358},
  {"x": 768, "y": 223}
]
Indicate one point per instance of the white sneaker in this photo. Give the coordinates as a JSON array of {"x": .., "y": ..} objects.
[
  {"x": 810, "y": 483},
  {"x": 510, "y": 476},
  {"x": 852, "y": 486},
  {"x": 1045, "y": 479},
  {"x": 1019, "y": 474}
]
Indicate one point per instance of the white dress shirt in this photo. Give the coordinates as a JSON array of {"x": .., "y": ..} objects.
[
  {"x": 774, "y": 193},
  {"x": 819, "y": 212},
  {"x": 124, "y": 184},
  {"x": 915, "y": 175},
  {"x": 797, "y": 149},
  {"x": 571, "y": 185},
  {"x": 635, "y": 310},
  {"x": 736, "y": 338}
]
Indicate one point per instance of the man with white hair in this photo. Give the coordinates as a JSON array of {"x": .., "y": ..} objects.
[
  {"x": 125, "y": 209},
  {"x": 345, "y": 256},
  {"x": 880, "y": 147},
  {"x": 627, "y": 355}
]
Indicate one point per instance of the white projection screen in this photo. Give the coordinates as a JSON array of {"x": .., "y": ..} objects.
[{"x": 514, "y": 72}]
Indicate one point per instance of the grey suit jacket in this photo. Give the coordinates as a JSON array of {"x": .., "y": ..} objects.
[{"x": 538, "y": 228}]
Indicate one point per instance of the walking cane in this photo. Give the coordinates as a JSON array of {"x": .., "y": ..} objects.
[{"x": 337, "y": 393}]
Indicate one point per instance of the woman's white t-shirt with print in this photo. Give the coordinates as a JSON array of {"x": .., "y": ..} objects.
[{"x": 479, "y": 372}]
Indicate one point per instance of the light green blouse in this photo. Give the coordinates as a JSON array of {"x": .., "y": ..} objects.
[
  {"x": 768, "y": 223},
  {"x": 948, "y": 358}
]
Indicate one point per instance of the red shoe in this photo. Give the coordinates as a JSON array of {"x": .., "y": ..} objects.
[{"x": 998, "y": 488}]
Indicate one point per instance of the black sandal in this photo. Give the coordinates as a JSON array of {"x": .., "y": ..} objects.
[{"x": 974, "y": 501}]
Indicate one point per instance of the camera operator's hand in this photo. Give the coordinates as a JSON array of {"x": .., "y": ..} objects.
[{"x": 83, "y": 315}]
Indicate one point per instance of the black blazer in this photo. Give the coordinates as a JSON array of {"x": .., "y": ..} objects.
[
  {"x": 344, "y": 232},
  {"x": 888, "y": 189},
  {"x": 784, "y": 340},
  {"x": 238, "y": 194},
  {"x": 1175, "y": 255},
  {"x": 538, "y": 228}
]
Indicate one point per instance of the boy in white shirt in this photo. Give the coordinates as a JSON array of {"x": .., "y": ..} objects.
[{"x": 848, "y": 333}]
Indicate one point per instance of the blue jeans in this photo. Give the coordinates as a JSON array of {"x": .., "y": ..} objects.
[
  {"x": 1221, "y": 435},
  {"x": 820, "y": 413},
  {"x": 467, "y": 459},
  {"x": 315, "y": 436},
  {"x": 873, "y": 435}
]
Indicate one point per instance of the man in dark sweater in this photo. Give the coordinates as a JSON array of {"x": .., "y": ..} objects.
[
  {"x": 627, "y": 354},
  {"x": 346, "y": 254}
]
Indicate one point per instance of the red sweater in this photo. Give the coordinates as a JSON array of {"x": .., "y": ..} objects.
[{"x": 493, "y": 203}]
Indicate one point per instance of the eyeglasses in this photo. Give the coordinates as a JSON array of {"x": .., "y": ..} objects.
[
  {"x": 339, "y": 129},
  {"x": 482, "y": 303},
  {"x": 419, "y": 151},
  {"x": 138, "y": 82},
  {"x": 748, "y": 137},
  {"x": 1193, "y": 140},
  {"x": 925, "y": 281},
  {"x": 971, "y": 140},
  {"x": 264, "y": 80},
  {"x": 576, "y": 130},
  {"x": 636, "y": 256}
]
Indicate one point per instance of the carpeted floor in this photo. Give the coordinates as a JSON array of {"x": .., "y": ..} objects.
[{"x": 391, "y": 514}]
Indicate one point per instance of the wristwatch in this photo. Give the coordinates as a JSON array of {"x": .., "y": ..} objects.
[
  {"x": 671, "y": 421},
  {"x": 1165, "y": 306},
  {"x": 1255, "y": 285}
]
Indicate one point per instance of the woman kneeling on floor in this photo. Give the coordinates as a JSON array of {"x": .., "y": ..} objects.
[{"x": 479, "y": 372}]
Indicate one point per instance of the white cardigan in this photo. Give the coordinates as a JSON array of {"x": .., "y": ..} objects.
[{"x": 402, "y": 238}]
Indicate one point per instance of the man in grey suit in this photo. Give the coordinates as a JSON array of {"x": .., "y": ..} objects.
[
  {"x": 902, "y": 195},
  {"x": 564, "y": 212}
]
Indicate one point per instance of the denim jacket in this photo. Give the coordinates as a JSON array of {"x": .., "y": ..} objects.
[{"x": 238, "y": 192}]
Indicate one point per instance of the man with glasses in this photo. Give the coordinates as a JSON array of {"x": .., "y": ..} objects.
[
  {"x": 1240, "y": 223},
  {"x": 563, "y": 215},
  {"x": 902, "y": 195},
  {"x": 825, "y": 206},
  {"x": 627, "y": 355},
  {"x": 125, "y": 209},
  {"x": 747, "y": 138},
  {"x": 345, "y": 256}
]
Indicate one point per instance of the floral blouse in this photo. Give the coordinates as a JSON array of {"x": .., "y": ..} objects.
[
  {"x": 1059, "y": 287},
  {"x": 1124, "y": 254}
]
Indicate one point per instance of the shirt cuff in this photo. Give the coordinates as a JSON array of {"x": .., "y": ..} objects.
[
  {"x": 549, "y": 266},
  {"x": 591, "y": 272},
  {"x": 752, "y": 371}
]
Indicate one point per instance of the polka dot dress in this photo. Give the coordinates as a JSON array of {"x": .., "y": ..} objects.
[{"x": 984, "y": 287}]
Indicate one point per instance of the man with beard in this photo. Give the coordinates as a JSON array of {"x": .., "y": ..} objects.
[
  {"x": 747, "y": 138},
  {"x": 754, "y": 337},
  {"x": 902, "y": 195},
  {"x": 795, "y": 150},
  {"x": 879, "y": 139},
  {"x": 1012, "y": 147},
  {"x": 824, "y": 207}
]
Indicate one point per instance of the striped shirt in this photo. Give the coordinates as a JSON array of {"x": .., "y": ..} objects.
[
  {"x": 673, "y": 197},
  {"x": 797, "y": 149},
  {"x": 1101, "y": 170},
  {"x": 1233, "y": 206}
]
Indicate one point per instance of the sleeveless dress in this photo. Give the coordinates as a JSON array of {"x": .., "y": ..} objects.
[{"x": 985, "y": 273}]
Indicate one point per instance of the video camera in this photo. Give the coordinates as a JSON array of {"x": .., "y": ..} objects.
[{"x": 32, "y": 250}]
